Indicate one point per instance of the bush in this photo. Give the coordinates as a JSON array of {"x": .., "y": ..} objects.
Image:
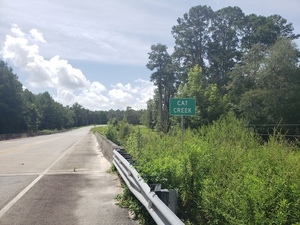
[{"x": 223, "y": 174}]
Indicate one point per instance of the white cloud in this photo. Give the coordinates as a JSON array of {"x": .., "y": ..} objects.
[
  {"x": 91, "y": 98},
  {"x": 36, "y": 35},
  {"x": 70, "y": 85},
  {"x": 96, "y": 97},
  {"x": 17, "y": 31},
  {"x": 53, "y": 73},
  {"x": 65, "y": 97},
  {"x": 135, "y": 97}
]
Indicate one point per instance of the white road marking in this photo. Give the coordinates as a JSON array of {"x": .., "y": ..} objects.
[{"x": 25, "y": 190}]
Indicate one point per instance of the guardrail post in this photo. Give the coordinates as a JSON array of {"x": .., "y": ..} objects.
[
  {"x": 173, "y": 200},
  {"x": 169, "y": 197}
]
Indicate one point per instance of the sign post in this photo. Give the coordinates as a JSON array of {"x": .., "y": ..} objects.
[{"x": 182, "y": 107}]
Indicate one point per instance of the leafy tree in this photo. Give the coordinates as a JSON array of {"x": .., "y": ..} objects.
[
  {"x": 11, "y": 119},
  {"x": 210, "y": 104},
  {"x": 265, "y": 89},
  {"x": 60, "y": 116}
]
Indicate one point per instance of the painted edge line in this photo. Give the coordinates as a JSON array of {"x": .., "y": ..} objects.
[{"x": 26, "y": 189}]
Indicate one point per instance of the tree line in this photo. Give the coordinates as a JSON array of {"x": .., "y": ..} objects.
[
  {"x": 23, "y": 111},
  {"x": 227, "y": 61}
]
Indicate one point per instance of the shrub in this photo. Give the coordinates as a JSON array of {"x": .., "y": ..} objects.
[{"x": 223, "y": 174}]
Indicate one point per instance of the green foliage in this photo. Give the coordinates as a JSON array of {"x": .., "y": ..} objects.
[
  {"x": 11, "y": 120},
  {"x": 117, "y": 132},
  {"x": 265, "y": 87},
  {"x": 223, "y": 174},
  {"x": 210, "y": 104}
]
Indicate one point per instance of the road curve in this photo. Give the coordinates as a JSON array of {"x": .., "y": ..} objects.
[{"x": 58, "y": 179}]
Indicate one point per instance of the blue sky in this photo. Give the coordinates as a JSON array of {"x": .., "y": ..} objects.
[{"x": 95, "y": 52}]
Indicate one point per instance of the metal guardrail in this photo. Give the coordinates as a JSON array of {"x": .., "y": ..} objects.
[{"x": 159, "y": 211}]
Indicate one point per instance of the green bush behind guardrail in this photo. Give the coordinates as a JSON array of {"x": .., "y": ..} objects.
[{"x": 223, "y": 172}]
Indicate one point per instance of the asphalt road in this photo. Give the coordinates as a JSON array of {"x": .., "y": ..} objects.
[{"x": 58, "y": 179}]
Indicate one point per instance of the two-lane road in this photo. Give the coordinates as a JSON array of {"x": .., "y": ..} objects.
[{"x": 57, "y": 179}]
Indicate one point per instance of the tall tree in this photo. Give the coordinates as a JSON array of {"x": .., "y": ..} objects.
[
  {"x": 163, "y": 77},
  {"x": 192, "y": 35},
  {"x": 224, "y": 46}
]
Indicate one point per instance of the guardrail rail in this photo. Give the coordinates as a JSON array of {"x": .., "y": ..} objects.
[{"x": 159, "y": 211}]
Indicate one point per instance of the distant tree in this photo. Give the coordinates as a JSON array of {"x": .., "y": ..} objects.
[
  {"x": 115, "y": 114},
  {"x": 102, "y": 117},
  {"x": 132, "y": 116},
  {"x": 31, "y": 113},
  {"x": 60, "y": 116},
  {"x": 48, "y": 111},
  {"x": 80, "y": 115},
  {"x": 244, "y": 75},
  {"x": 151, "y": 113},
  {"x": 69, "y": 117}
]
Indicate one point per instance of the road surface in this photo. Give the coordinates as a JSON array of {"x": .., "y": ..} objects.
[{"x": 58, "y": 179}]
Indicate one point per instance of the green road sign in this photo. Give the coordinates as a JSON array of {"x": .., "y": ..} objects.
[{"x": 182, "y": 107}]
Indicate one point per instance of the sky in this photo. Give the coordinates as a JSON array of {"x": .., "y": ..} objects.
[{"x": 95, "y": 52}]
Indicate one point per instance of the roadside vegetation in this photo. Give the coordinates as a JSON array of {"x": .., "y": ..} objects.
[{"x": 223, "y": 172}]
